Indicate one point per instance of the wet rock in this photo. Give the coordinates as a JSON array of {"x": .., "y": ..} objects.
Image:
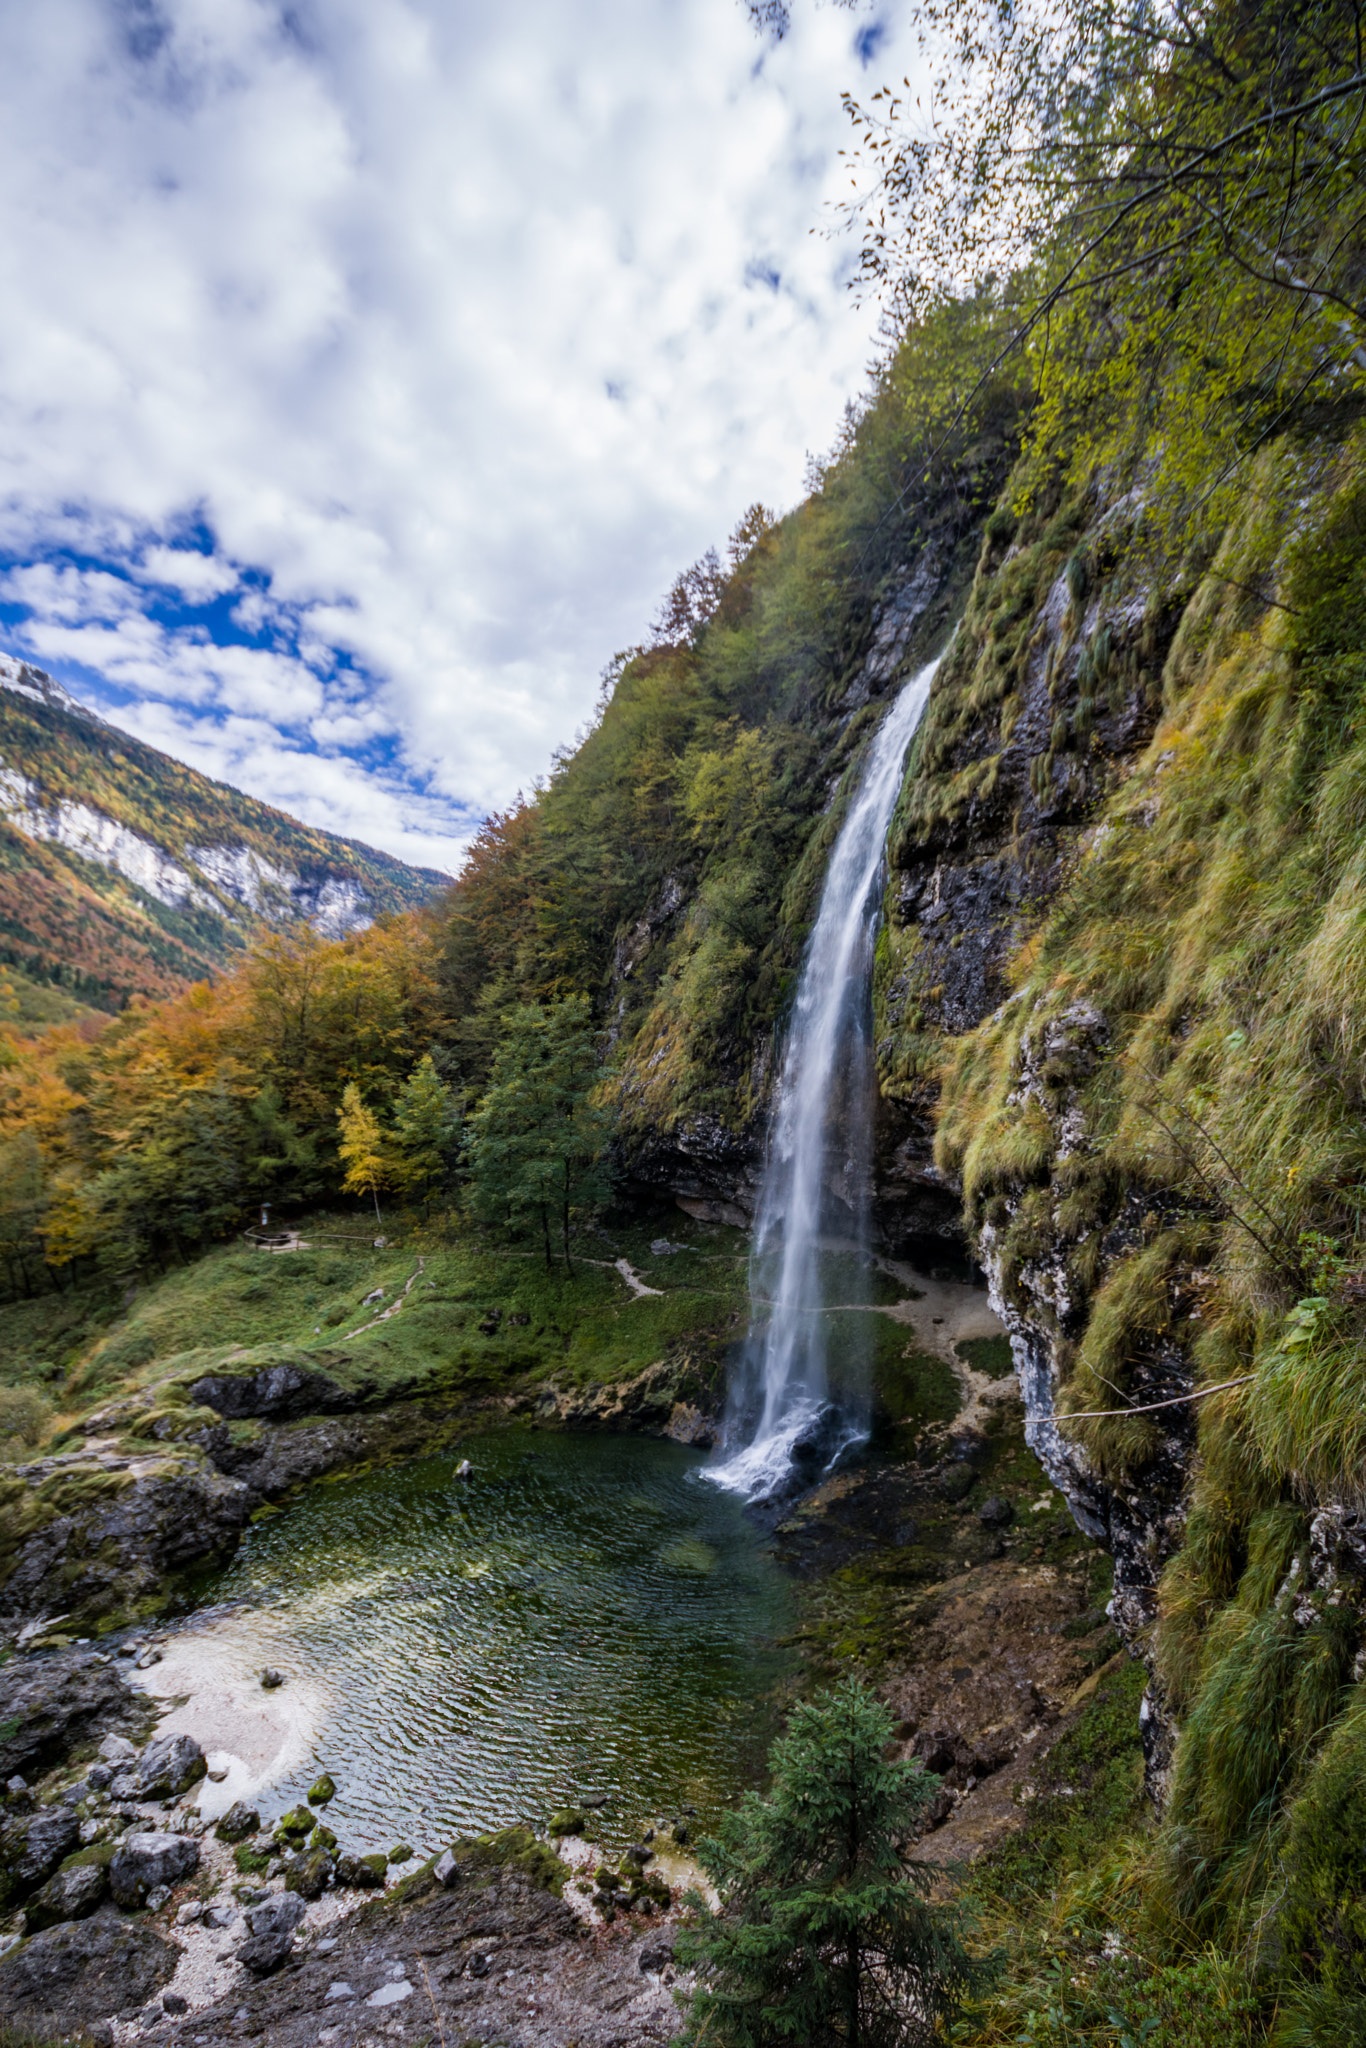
[
  {"x": 142, "y": 1862},
  {"x": 996, "y": 1513},
  {"x": 446, "y": 1870},
  {"x": 818, "y": 1443},
  {"x": 310, "y": 1874},
  {"x": 270, "y": 1679},
  {"x": 32, "y": 1845},
  {"x": 49, "y": 1704},
  {"x": 238, "y": 1822},
  {"x": 169, "y": 1767},
  {"x": 323, "y": 1838},
  {"x": 69, "y": 1895},
  {"x": 657, "y": 1955},
  {"x": 321, "y": 1790},
  {"x": 295, "y": 1825},
  {"x": 83, "y": 1971},
  {"x": 401, "y": 1852},
  {"x": 366, "y": 1873},
  {"x": 567, "y": 1822}
]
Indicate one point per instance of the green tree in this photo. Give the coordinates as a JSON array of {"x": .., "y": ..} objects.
[
  {"x": 361, "y": 1146},
  {"x": 826, "y": 1934},
  {"x": 426, "y": 1121},
  {"x": 537, "y": 1138}
]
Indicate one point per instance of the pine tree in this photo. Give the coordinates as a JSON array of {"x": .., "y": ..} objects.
[
  {"x": 361, "y": 1146},
  {"x": 537, "y": 1138},
  {"x": 826, "y": 1934},
  {"x": 425, "y": 1124}
]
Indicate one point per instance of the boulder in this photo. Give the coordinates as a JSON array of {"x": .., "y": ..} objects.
[
  {"x": 32, "y": 1845},
  {"x": 69, "y": 1895},
  {"x": 446, "y": 1870},
  {"x": 49, "y": 1704},
  {"x": 82, "y": 1972},
  {"x": 142, "y": 1863},
  {"x": 402, "y": 1852},
  {"x": 366, "y": 1873},
  {"x": 270, "y": 1933},
  {"x": 567, "y": 1822},
  {"x": 321, "y": 1790},
  {"x": 996, "y": 1513},
  {"x": 281, "y": 1391},
  {"x": 169, "y": 1767},
  {"x": 238, "y": 1822},
  {"x": 298, "y": 1823},
  {"x": 657, "y": 1954},
  {"x": 310, "y": 1874}
]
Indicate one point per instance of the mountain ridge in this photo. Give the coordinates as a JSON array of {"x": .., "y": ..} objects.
[{"x": 124, "y": 872}]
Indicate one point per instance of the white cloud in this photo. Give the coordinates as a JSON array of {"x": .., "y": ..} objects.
[
  {"x": 197, "y": 577},
  {"x": 465, "y": 328}
]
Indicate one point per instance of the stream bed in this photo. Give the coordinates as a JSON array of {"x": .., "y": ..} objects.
[{"x": 581, "y": 1616}]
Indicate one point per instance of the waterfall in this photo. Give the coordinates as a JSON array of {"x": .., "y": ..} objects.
[{"x": 814, "y": 1195}]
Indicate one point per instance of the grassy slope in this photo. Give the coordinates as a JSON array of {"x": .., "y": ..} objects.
[{"x": 1195, "y": 1179}]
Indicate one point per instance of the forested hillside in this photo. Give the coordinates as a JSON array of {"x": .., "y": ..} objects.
[{"x": 123, "y": 872}]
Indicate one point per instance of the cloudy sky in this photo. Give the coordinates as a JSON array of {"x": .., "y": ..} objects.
[{"x": 369, "y": 368}]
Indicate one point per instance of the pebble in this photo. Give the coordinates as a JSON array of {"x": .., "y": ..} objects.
[{"x": 390, "y": 1994}]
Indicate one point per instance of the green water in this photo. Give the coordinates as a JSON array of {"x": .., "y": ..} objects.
[{"x": 585, "y": 1616}]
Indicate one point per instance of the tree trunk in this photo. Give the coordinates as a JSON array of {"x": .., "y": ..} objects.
[
  {"x": 564, "y": 1231},
  {"x": 545, "y": 1237}
]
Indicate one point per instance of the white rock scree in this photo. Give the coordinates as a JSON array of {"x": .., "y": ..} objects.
[{"x": 816, "y": 1181}]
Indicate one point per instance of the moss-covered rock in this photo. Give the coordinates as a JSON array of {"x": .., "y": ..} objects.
[{"x": 310, "y": 1874}]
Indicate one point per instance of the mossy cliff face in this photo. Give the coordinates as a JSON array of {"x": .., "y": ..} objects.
[{"x": 1122, "y": 978}]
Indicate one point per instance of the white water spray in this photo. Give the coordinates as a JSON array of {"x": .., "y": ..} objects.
[{"x": 816, "y": 1183}]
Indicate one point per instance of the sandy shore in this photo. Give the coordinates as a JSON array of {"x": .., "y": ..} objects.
[{"x": 213, "y": 1692}]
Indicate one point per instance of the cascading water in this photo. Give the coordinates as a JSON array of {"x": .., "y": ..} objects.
[{"x": 815, "y": 1187}]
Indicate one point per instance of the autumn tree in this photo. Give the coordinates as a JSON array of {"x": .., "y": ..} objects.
[
  {"x": 360, "y": 1144},
  {"x": 1169, "y": 201}
]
